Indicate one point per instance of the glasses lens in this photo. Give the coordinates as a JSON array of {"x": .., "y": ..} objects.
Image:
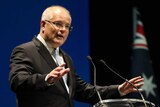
[{"x": 61, "y": 25}]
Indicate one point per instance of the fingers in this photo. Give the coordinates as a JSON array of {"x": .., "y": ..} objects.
[
  {"x": 61, "y": 70},
  {"x": 64, "y": 71},
  {"x": 62, "y": 65},
  {"x": 126, "y": 87},
  {"x": 135, "y": 90},
  {"x": 137, "y": 80},
  {"x": 58, "y": 72},
  {"x": 139, "y": 85}
]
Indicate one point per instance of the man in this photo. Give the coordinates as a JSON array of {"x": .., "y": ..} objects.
[{"x": 41, "y": 79}]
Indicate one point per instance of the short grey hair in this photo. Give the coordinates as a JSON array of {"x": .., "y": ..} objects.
[{"x": 46, "y": 15}]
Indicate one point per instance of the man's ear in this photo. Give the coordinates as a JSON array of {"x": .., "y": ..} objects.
[{"x": 42, "y": 23}]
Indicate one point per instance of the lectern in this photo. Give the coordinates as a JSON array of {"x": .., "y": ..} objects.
[{"x": 124, "y": 103}]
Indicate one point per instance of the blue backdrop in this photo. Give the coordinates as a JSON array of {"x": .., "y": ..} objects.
[{"x": 20, "y": 21}]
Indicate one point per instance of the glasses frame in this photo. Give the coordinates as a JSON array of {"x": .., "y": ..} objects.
[{"x": 60, "y": 25}]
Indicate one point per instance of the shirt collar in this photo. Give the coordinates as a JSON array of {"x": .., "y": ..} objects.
[{"x": 49, "y": 48}]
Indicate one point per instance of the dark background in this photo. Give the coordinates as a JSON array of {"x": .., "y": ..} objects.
[{"x": 111, "y": 33}]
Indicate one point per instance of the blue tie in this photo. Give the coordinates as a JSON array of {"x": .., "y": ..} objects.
[
  {"x": 57, "y": 57},
  {"x": 59, "y": 61}
]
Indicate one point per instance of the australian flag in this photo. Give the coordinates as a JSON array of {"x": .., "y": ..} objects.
[{"x": 141, "y": 62}]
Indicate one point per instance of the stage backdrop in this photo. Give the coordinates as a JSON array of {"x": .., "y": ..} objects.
[{"x": 20, "y": 21}]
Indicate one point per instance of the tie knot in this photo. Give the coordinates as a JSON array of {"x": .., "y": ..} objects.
[{"x": 55, "y": 52}]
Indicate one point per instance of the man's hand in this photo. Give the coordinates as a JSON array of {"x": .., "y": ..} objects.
[
  {"x": 126, "y": 88},
  {"x": 57, "y": 73}
]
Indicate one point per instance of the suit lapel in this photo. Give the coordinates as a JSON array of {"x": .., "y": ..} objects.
[
  {"x": 47, "y": 56},
  {"x": 45, "y": 53}
]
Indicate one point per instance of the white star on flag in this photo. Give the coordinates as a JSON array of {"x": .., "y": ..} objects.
[{"x": 149, "y": 86}]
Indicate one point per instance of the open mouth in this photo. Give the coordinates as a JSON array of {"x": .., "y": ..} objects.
[{"x": 59, "y": 36}]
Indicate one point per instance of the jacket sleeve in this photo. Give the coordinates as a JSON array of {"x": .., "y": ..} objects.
[
  {"x": 21, "y": 76},
  {"x": 88, "y": 93}
]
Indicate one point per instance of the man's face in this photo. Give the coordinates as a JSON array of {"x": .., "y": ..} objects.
[{"x": 57, "y": 29}]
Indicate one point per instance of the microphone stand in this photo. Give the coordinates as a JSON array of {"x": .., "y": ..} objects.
[
  {"x": 126, "y": 81},
  {"x": 94, "y": 67}
]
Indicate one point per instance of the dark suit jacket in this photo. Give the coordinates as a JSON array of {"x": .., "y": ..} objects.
[{"x": 29, "y": 65}]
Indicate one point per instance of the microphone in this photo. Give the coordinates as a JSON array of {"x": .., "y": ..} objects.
[
  {"x": 94, "y": 69},
  {"x": 102, "y": 61}
]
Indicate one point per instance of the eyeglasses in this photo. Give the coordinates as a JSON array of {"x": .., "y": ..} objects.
[{"x": 61, "y": 25}]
